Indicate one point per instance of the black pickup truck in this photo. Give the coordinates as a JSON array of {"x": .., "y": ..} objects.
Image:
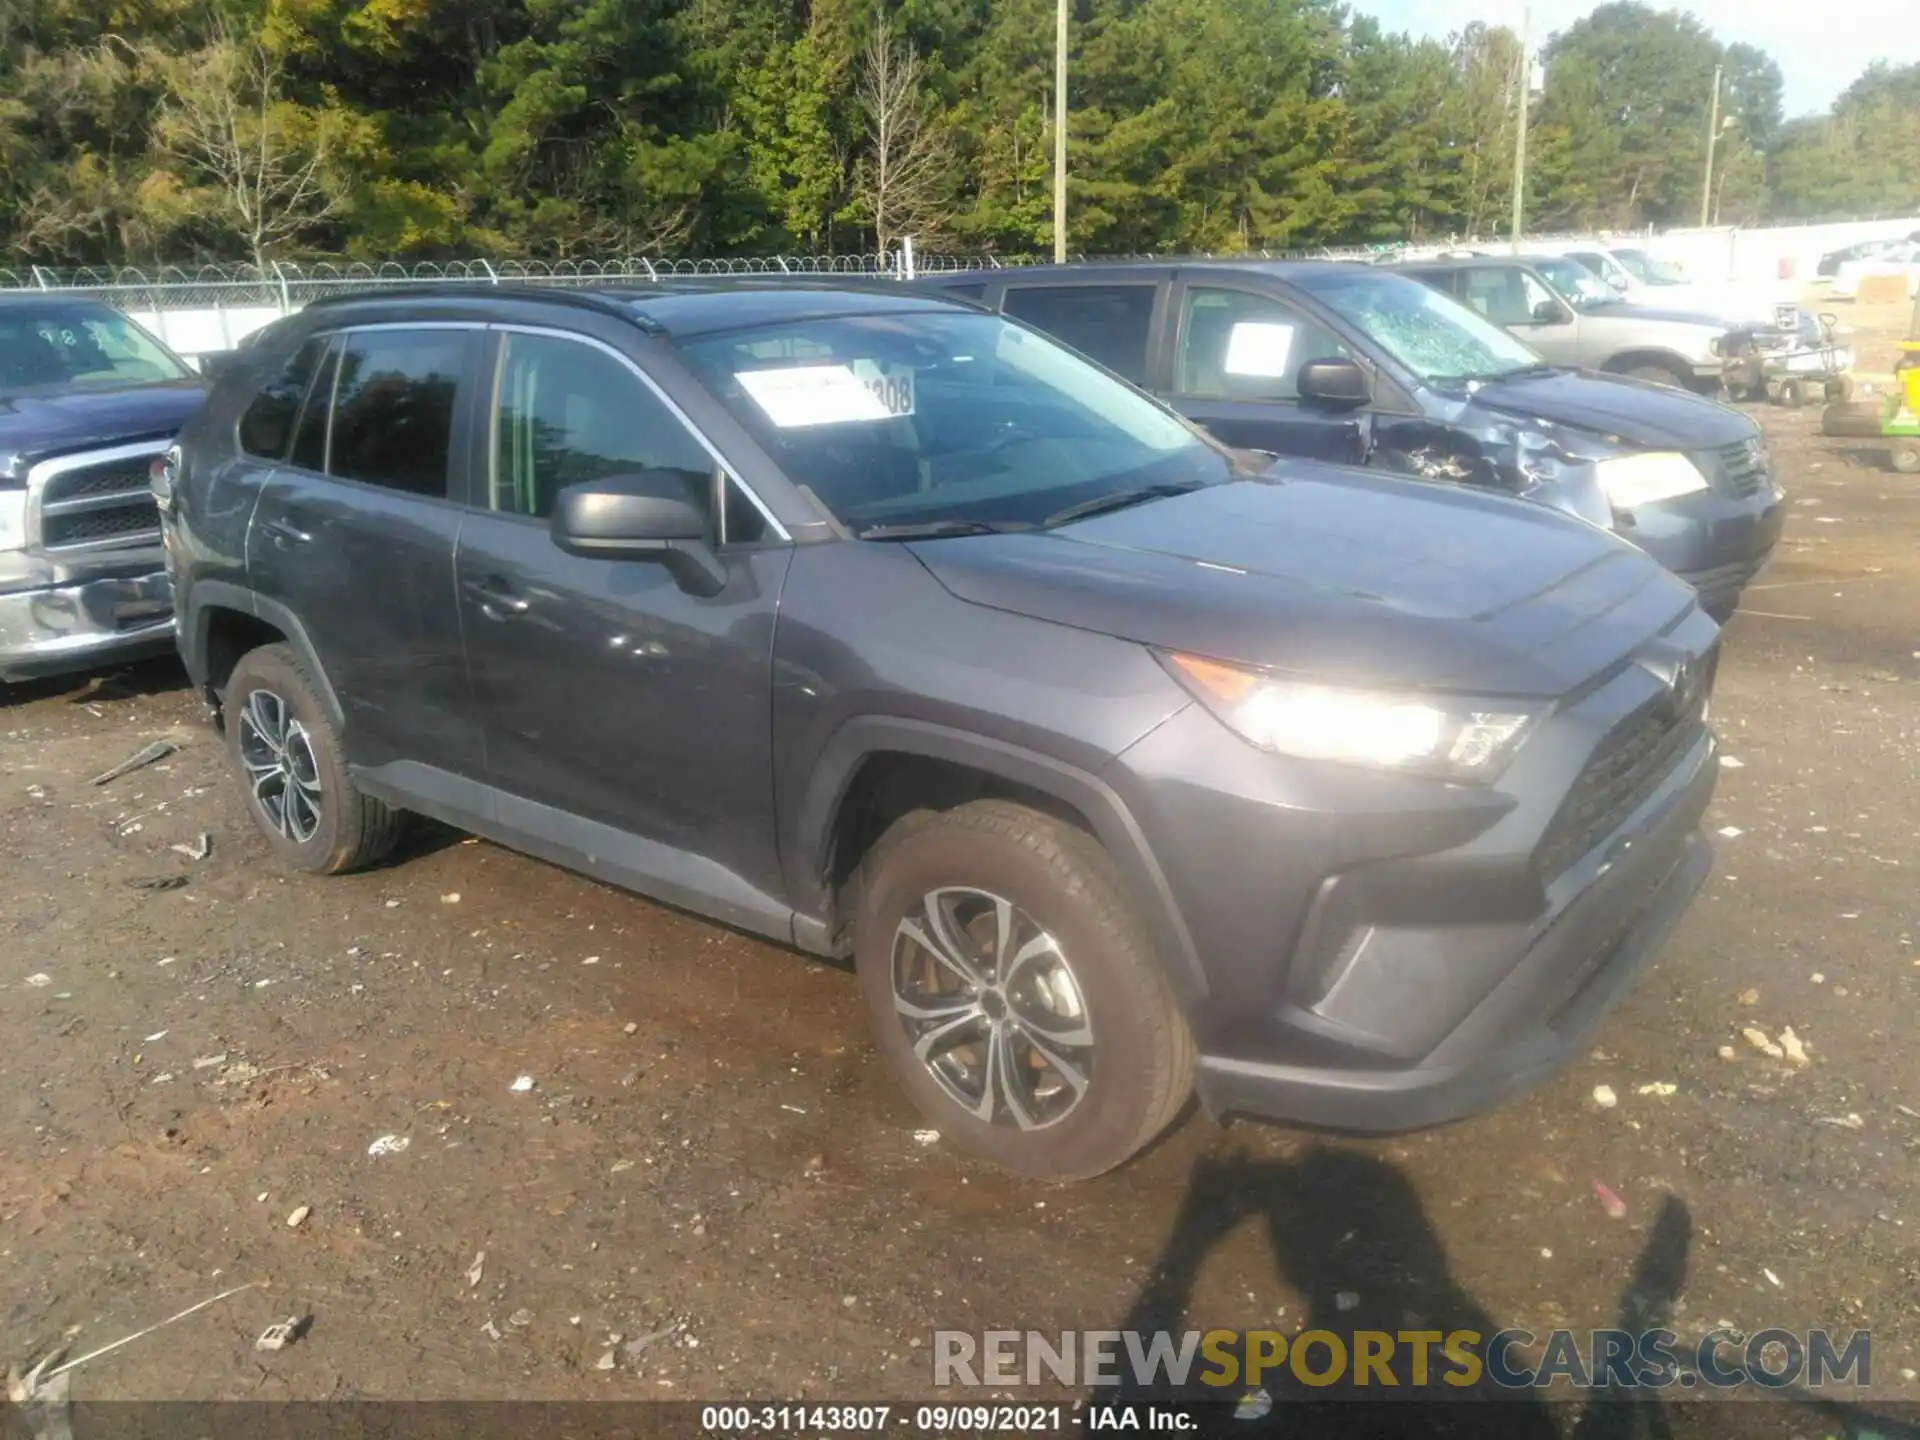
[{"x": 88, "y": 401}]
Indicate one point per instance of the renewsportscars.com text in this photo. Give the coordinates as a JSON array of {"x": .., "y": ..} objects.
[{"x": 1413, "y": 1359}]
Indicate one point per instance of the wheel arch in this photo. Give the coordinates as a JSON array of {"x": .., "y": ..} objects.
[
  {"x": 218, "y": 614},
  {"x": 829, "y": 823}
]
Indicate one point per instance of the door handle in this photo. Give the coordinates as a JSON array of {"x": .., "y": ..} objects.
[
  {"x": 285, "y": 534},
  {"x": 497, "y": 599}
]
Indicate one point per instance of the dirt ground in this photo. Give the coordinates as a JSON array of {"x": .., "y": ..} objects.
[{"x": 711, "y": 1165}]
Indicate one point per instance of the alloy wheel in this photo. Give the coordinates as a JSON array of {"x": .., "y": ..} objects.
[
  {"x": 278, "y": 755},
  {"x": 993, "y": 1008}
]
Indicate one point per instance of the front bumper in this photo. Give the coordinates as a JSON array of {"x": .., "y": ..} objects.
[
  {"x": 78, "y": 626},
  {"x": 1717, "y": 543},
  {"x": 1381, "y": 952}
]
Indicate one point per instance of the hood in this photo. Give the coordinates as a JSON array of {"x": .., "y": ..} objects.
[
  {"x": 1636, "y": 414},
  {"x": 33, "y": 427},
  {"x": 1340, "y": 575},
  {"x": 1640, "y": 314}
]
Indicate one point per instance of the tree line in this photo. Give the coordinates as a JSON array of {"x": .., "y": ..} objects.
[{"x": 139, "y": 130}]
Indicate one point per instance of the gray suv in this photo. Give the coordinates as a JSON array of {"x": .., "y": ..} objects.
[{"x": 1119, "y": 765}]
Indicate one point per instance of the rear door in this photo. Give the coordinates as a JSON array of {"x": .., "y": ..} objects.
[
  {"x": 1237, "y": 354},
  {"x": 355, "y": 535}
]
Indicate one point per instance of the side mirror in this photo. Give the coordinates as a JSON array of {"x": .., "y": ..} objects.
[
  {"x": 1340, "y": 383},
  {"x": 648, "y": 515},
  {"x": 1549, "y": 312}
]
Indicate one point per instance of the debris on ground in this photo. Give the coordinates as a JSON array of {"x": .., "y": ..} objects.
[
  {"x": 1795, "y": 1048},
  {"x": 1727, "y": 1052},
  {"x": 629, "y": 1028},
  {"x": 605, "y": 1362},
  {"x": 926, "y": 1137},
  {"x": 1604, "y": 1097},
  {"x": 40, "y": 981},
  {"x": 1731, "y": 832},
  {"x": 491, "y": 1331},
  {"x": 298, "y": 1217},
  {"x": 1615, "y": 1207},
  {"x": 157, "y": 882},
  {"x": 389, "y": 1145},
  {"x": 637, "y": 1346},
  {"x": 476, "y": 1270},
  {"x": 451, "y": 898},
  {"x": 522, "y": 1085},
  {"x": 1346, "y": 1300},
  {"x": 1757, "y": 1038},
  {"x": 37, "y": 1380},
  {"x": 1845, "y": 1122},
  {"x": 520, "y": 1318},
  {"x": 1661, "y": 1088},
  {"x": 281, "y": 1334},
  {"x": 1749, "y": 997},
  {"x": 207, "y": 1062},
  {"x": 1772, "y": 1279},
  {"x": 199, "y": 850},
  {"x": 1727, "y": 762},
  {"x": 157, "y": 751}
]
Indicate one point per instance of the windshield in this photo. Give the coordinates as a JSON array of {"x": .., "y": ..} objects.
[
  {"x": 1434, "y": 336},
  {"x": 64, "y": 345},
  {"x": 920, "y": 418},
  {"x": 1576, "y": 284}
]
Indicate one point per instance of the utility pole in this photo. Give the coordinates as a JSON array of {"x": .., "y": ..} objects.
[
  {"x": 1525, "y": 86},
  {"x": 1713, "y": 139},
  {"x": 1060, "y": 134}
]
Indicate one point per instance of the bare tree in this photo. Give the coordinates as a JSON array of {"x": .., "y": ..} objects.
[
  {"x": 264, "y": 157},
  {"x": 905, "y": 179}
]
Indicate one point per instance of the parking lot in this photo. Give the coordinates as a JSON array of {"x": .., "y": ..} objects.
[{"x": 711, "y": 1188}]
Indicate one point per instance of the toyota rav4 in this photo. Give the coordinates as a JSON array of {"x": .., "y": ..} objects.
[{"x": 1120, "y": 765}]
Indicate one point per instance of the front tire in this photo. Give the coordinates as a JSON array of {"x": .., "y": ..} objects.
[
  {"x": 290, "y": 761},
  {"x": 1015, "y": 992},
  {"x": 1906, "y": 457}
]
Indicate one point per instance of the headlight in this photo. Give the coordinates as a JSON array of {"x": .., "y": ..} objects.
[
  {"x": 1445, "y": 736},
  {"x": 1632, "y": 480}
]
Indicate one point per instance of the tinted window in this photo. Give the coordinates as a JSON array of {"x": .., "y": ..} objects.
[
  {"x": 1110, "y": 323},
  {"x": 1239, "y": 346},
  {"x": 568, "y": 412},
  {"x": 393, "y": 408},
  {"x": 310, "y": 444},
  {"x": 967, "y": 292},
  {"x": 267, "y": 425}
]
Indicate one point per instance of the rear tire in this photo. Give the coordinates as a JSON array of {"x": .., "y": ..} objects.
[
  {"x": 288, "y": 756},
  {"x": 1016, "y": 993}
]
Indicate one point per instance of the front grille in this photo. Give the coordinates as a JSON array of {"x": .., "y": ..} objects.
[
  {"x": 1742, "y": 468},
  {"x": 93, "y": 527},
  {"x": 103, "y": 503},
  {"x": 1625, "y": 768}
]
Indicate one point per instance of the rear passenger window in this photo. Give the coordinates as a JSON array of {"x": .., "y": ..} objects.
[
  {"x": 267, "y": 425},
  {"x": 1109, "y": 323},
  {"x": 310, "y": 442},
  {"x": 393, "y": 408}
]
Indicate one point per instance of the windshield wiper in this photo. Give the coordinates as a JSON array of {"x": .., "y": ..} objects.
[
  {"x": 938, "y": 529},
  {"x": 1118, "y": 500},
  {"x": 1539, "y": 367}
]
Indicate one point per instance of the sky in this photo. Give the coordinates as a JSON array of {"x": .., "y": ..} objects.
[{"x": 1819, "y": 53}]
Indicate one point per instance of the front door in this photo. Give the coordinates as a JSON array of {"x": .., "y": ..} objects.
[
  {"x": 628, "y": 723},
  {"x": 1236, "y": 358},
  {"x": 355, "y": 536}
]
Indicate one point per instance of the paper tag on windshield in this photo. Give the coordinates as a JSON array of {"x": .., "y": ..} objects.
[
  {"x": 813, "y": 395},
  {"x": 892, "y": 385},
  {"x": 1258, "y": 347}
]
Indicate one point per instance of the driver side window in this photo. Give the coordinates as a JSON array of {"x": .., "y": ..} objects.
[
  {"x": 566, "y": 412},
  {"x": 1506, "y": 296},
  {"x": 1235, "y": 345}
]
